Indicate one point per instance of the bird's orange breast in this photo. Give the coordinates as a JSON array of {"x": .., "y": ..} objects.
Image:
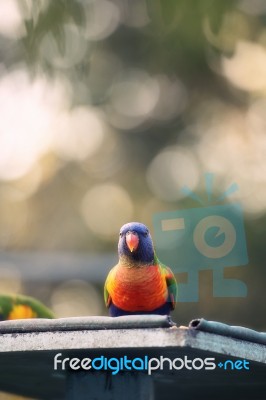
[{"x": 137, "y": 289}]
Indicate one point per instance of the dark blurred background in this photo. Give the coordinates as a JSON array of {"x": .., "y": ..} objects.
[{"x": 107, "y": 109}]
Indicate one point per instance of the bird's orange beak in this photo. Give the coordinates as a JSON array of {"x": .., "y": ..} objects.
[{"x": 132, "y": 241}]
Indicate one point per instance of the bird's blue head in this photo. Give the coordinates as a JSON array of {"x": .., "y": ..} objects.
[{"x": 135, "y": 243}]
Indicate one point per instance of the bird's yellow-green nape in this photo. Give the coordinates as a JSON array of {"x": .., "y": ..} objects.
[{"x": 22, "y": 307}]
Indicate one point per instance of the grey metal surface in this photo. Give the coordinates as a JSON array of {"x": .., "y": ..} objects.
[
  {"x": 133, "y": 339},
  {"x": 86, "y": 323},
  {"x": 238, "y": 332}
]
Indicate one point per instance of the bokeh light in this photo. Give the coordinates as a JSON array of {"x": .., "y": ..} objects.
[
  {"x": 172, "y": 100},
  {"x": 71, "y": 54},
  {"x": 76, "y": 298},
  {"x": 246, "y": 69},
  {"x": 78, "y": 133},
  {"x": 105, "y": 208},
  {"x": 102, "y": 19},
  {"x": 27, "y": 110},
  {"x": 11, "y": 21},
  {"x": 170, "y": 170},
  {"x": 133, "y": 98}
]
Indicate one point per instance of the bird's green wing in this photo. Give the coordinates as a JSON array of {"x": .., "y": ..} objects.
[
  {"x": 170, "y": 281},
  {"x": 107, "y": 297}
]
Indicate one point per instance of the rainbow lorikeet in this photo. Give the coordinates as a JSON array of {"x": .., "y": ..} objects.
[
  {"x": 22, "y": 307},
  {"x": 139, "y": 283}
]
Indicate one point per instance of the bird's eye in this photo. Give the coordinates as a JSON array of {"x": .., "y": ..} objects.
[
  {"x": 146, "y": 233},
  {"x": 120, "y": 234}
]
